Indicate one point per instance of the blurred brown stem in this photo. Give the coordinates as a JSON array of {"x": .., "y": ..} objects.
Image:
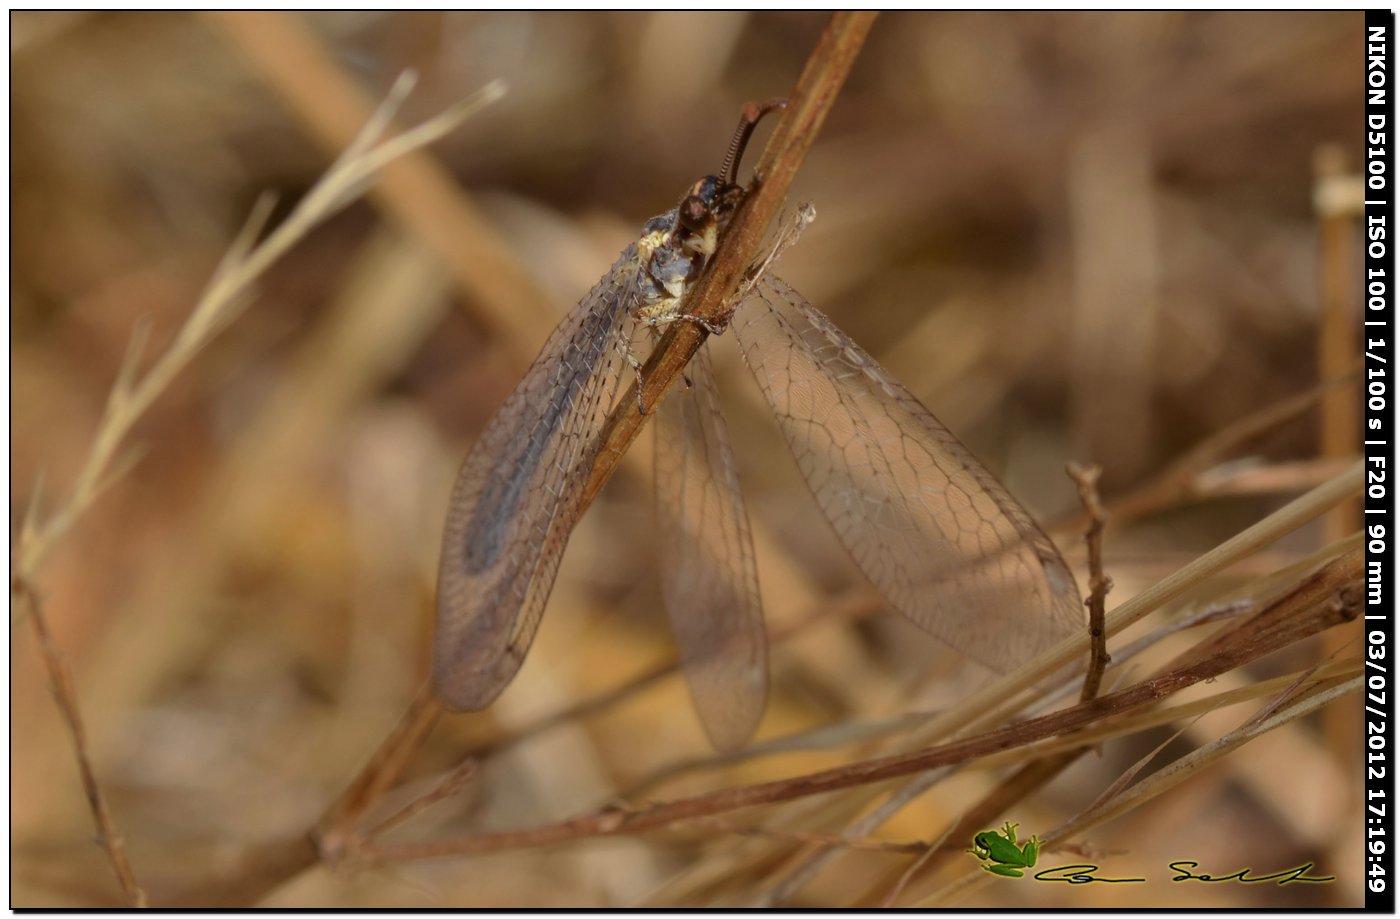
[
  {"x": 1086, "y": 480},
  {"x": 377, "y": 775},
  {"x": 1018, "y": 786},
  {"x": 863, "y": 843},
  {"x": 448, "y": 787},
  {"x": 1338, "y": 338},
  {"x": 416, "y": 191},
  {"x": 61, "y": 682},
  {"x": 1179, "y": 480}
]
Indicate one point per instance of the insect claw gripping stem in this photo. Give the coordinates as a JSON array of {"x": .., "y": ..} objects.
[{"x": 713, "y": 326}]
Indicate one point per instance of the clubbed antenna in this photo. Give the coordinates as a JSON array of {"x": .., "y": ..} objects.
[{"x": 753, "y": 113}]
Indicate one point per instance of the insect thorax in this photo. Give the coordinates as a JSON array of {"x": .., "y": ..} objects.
[{"x": 675, "y": 246}]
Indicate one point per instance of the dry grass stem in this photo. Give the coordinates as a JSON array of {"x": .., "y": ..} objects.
[
  {"x": 712, "y": 298},
  {"x": 1327, "y": 598},
  {"x": 1136, "y": 723},
  {"x": 1086, "y": 482},
  {"x": 1161, "y": 781},
  {"x": 416, "y": 190},
  {"x": 450, "y": 786},
  {"x": 999, "y": 700},
  {"x": 229, "y": 292},
  {"x": 337, "y": 828},
  {"x": 914, "y": 870},
  {"x": 1187, "y": 477},
  {"x": 864, "y": 844},
  {"x": 61, "y": 683}
]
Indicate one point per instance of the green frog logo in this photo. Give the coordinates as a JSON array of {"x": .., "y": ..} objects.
[{"x": 1000, "y": 849}]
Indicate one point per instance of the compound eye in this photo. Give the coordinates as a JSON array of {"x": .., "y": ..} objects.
[
  {"x": 693, "y": 213},
  {"x": 707, "y": 189}
]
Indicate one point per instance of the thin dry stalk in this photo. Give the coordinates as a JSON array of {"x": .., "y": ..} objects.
[
  {"x": 1000, "y": 700},
  {"x": 1247, "y": 478},
  {"x": 1086, "y": 481},
  {"x": 1162, "y": 781},
  {"x": 712, "y": 298},
  {"x": 862, "y": 843},
  {"x": 1048, "y": 753},
  {"x": 1125, "y": 725},
  {"x": 914, "y": 869},
  {"x": 1181, "y": 479},
  {"x": 418, "y": 192},
  {"x": 783, "y": 888},
  {"x": 228, "y": 294},
  {"x": 825, "y": 737},
  {"x": 61, "y": 683},
  {"x": 383, "y": 769},
  {"x": 1339, "y": 422},
  {"x": 1328, "y": 597},
  {"x": 1337, "y": 346},
  {"x": 450, "y": 786}
]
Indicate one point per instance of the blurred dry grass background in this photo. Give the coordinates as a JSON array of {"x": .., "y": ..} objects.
[{"x": 1074, "y": 236}]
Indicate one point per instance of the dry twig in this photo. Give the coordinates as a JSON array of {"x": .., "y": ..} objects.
[
  {"x": 1167, "y": 778},
  {"x": 450, "y": 786},
  {"x": 1000, "y": 699},
  {"x": 1181, "y": 479},
  {"x": 227, "y": 295},
  {"x": 1325, "y": 599},
  {"x": 712, "y": 297},
  {"x": 61, "y": 682},
  {"x": 417, "y": 191},
  {"x": 1086, "y": 479}
]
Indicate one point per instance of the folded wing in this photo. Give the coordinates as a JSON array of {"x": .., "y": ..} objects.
[
  {"x": 518, "y": 496},
  {"x": 708, "y": 575}
]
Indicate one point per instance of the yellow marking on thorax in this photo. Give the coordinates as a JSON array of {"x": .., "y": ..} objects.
[
  {"x": 662, "y": 312},
  {"x": 649, "y": 243}
]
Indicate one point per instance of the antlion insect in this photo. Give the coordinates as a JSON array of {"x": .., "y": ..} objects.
[{"x": 941, "y": 539}]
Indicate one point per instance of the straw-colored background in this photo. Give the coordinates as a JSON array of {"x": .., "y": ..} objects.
[{"x": 1074, "y": 236}]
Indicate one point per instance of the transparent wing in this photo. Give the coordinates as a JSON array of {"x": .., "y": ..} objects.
[
  {"x": 708, "y": 575},
  {"x": 517, "y": 498},
  {"x": 940, "y": 538}
]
